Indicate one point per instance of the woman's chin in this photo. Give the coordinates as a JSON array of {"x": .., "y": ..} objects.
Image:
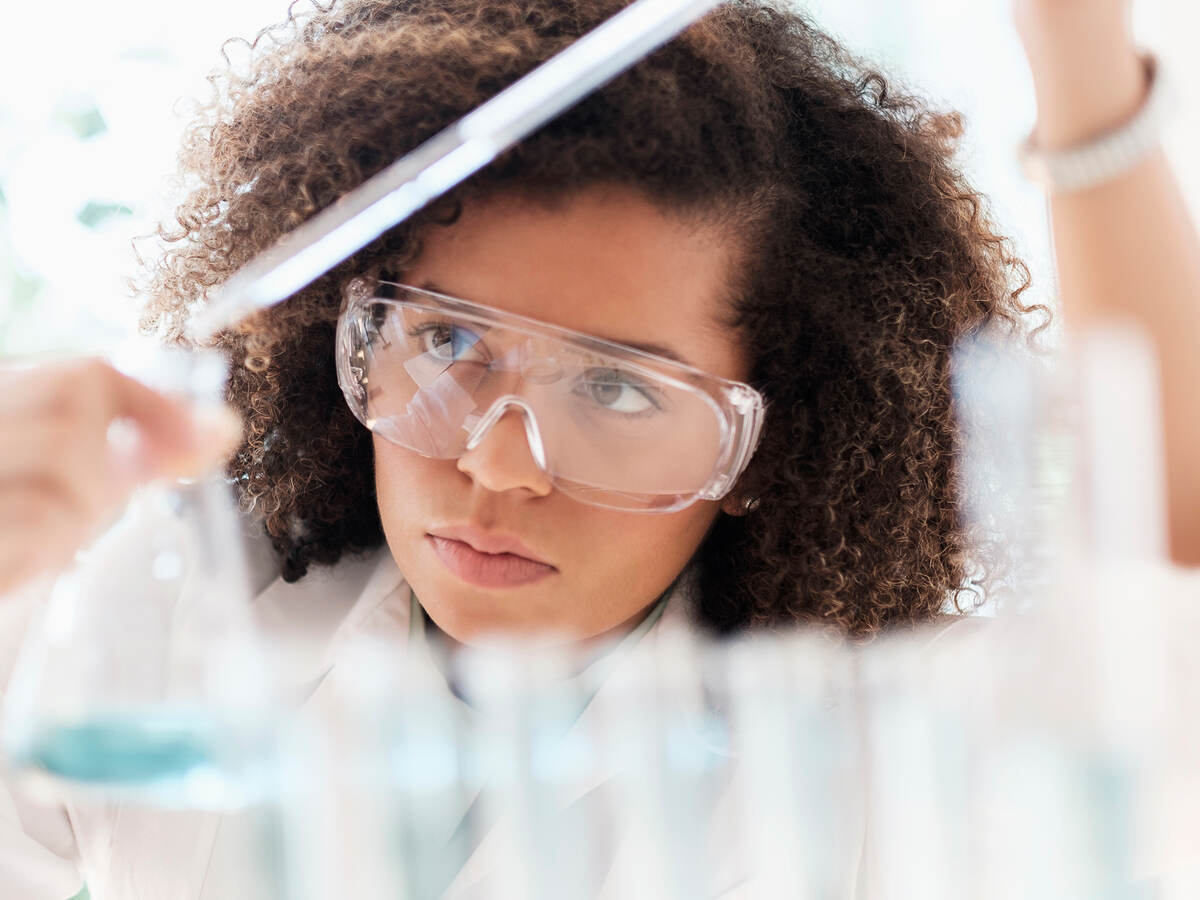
[{"x": 475, "y": 621}]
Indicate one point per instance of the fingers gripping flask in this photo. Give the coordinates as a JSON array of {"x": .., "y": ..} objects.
[{"x": 140, "y": 677}]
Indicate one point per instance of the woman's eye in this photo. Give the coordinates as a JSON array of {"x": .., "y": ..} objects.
[
  {"x": 451, "y": 343},
  {"x": 618, "y": 392}
]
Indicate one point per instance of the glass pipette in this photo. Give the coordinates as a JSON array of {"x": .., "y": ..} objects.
[{"x": 445, "y": 160}]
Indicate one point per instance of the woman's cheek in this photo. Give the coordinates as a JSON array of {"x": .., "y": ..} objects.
[{"x": 647, "y": 551}]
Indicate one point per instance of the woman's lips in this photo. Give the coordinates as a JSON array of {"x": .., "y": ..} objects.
[{"x": 493, "y": 570}]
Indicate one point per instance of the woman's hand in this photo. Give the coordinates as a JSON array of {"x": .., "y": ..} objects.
[{"x": 75, "y": 439}]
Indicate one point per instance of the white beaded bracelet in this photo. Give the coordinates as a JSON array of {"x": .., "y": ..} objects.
[{"x": 1109, "y": 155}]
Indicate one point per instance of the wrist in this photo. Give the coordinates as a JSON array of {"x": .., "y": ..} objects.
[
  {"x": 1085, "y": 162},
  {"x": 1086, "y": 89}
]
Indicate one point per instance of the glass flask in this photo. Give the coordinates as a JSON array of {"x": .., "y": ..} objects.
[{"x": 140, "y": 677}]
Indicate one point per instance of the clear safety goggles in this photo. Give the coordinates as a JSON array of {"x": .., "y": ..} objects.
[{"x": 610, "y": 425}]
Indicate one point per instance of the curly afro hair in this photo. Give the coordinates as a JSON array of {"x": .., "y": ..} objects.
[{"x": 868, "y": 257}]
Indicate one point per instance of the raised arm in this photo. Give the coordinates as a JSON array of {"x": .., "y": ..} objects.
[{"x": 1127, "y": 248}]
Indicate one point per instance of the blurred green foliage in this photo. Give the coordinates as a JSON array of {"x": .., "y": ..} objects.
[
  {"x": 94, "y": 213},
  {"x": 84, "y": 121}
]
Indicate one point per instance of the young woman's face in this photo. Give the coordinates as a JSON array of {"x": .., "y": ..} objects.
[{"x": 607, "y": 263}]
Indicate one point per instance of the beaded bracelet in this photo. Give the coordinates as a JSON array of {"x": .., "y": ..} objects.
[{"x": 1109, "y": 155}]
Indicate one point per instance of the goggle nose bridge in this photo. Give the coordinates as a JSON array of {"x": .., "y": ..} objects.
[
  {"x": 537, "y": 366},
  {"x": 495, "y": 412}
]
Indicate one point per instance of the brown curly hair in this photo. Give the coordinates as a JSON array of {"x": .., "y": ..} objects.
[{"x": 869, "y": 257}]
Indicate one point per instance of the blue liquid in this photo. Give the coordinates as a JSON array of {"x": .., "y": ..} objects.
[{"x": 122, "y": 751}]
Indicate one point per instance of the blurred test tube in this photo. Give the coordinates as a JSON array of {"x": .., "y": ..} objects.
[
  {"x": 1014, "y": 417},
  {"x": 798, "y": 764},
  {"x": 668, "y": 755},
  {"x": 528, "y": 845}
]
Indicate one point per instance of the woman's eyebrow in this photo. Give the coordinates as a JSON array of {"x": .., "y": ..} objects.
[{"x": 653, "y": 349}]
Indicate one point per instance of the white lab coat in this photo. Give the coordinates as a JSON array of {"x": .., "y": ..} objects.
[{"x": 47, "y": 852}]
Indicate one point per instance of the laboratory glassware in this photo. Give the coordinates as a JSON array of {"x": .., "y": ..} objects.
[
  {"x": 446, "y": 159},
  {"x": 141, "y": 677}
]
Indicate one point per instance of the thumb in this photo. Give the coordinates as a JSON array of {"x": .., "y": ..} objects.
[
  {"x": 154, "y": 434},
  {"x": 216, "y": 432}
]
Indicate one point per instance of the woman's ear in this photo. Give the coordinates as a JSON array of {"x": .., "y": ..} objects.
[{"x": 738, "y": 505}]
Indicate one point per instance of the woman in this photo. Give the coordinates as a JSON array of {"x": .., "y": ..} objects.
[{"x": 749, "y": 204}]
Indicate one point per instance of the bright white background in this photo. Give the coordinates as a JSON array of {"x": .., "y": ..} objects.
[{"x": 94, "y": 97}]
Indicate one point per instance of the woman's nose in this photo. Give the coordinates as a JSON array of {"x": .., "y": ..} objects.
[{"x": 503, "y": 459}]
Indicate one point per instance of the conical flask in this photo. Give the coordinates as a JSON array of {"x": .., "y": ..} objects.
[{"x": 141, "y": 677}]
